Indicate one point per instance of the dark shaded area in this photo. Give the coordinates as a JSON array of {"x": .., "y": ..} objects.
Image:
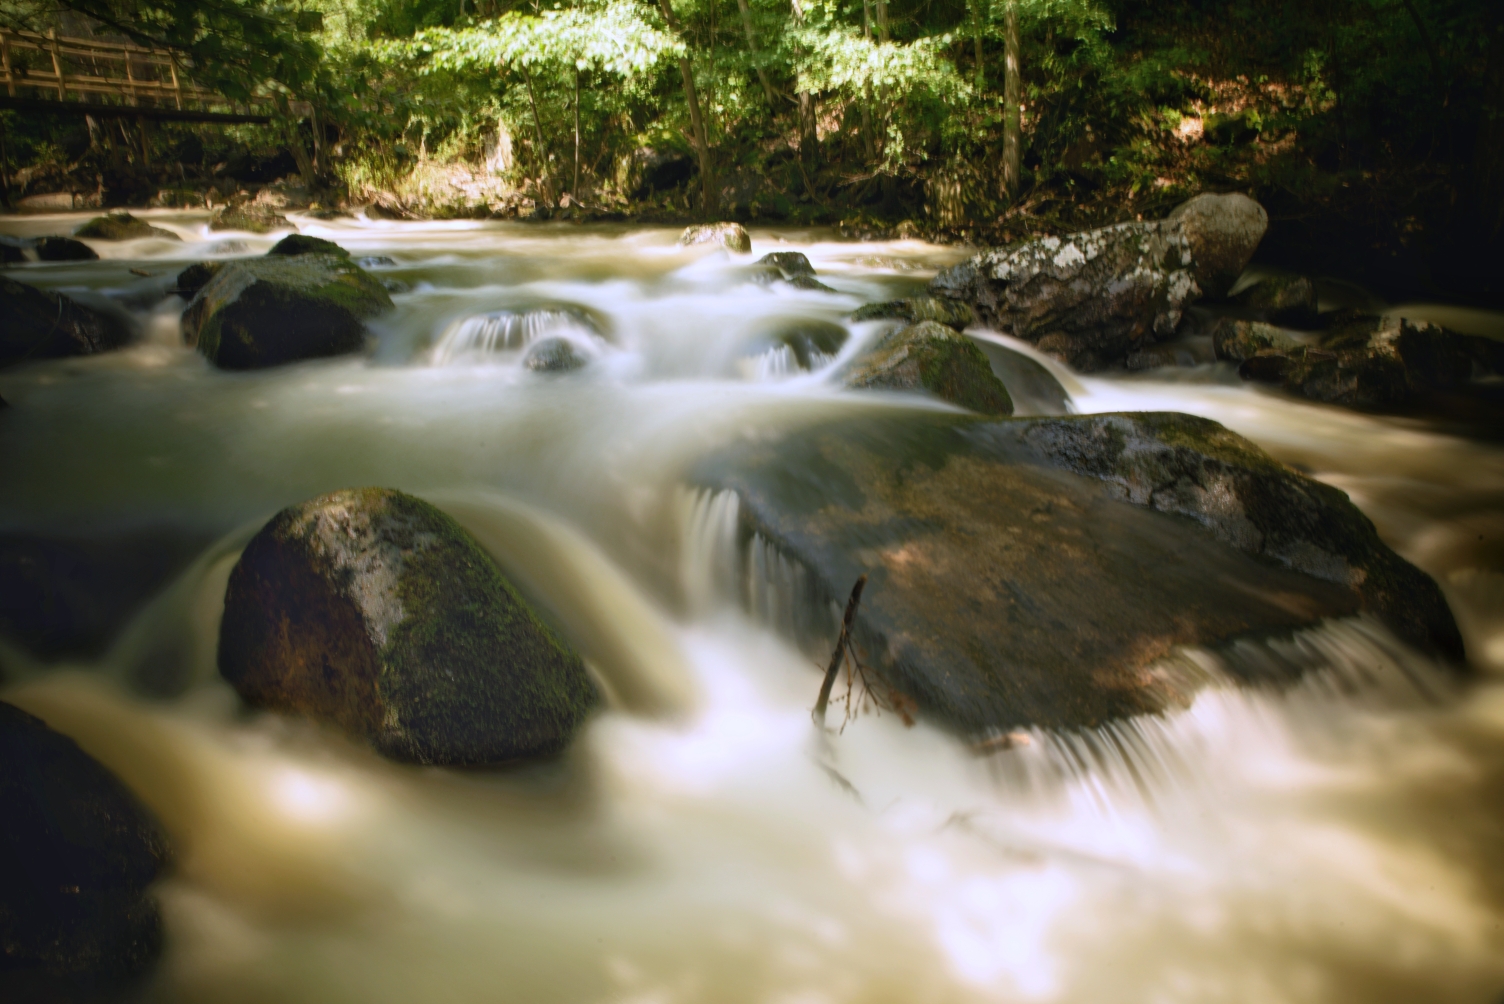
[
  {"x": 69, "y": 597},
  {"x": 77, "y": 852}
]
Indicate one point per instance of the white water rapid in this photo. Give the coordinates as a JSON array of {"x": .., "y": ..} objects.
[{"x": 1338, "y": 843}]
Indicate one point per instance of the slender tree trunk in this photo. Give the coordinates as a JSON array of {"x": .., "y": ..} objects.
[
  {"x": 544, "y": 174},
  {"x": 762, "y": 75},
  {"x": 869, "y": 143},
  {"x": 976, "y": 35},
  {"x": 809, "y": 137},
  {"x": 574, "y": 193},
  {"x": 696, "y": 120},
  {"x": 882, "y": 20},
  {"x": 1012, "y": 97}
]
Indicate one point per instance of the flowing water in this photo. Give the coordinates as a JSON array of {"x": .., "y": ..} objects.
[{"x": 1338, "y": 842}]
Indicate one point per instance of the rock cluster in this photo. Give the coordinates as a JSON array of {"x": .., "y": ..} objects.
[{"x": 1092, "y": 298}]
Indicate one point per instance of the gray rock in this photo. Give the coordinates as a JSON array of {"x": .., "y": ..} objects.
[
  {"x": 1222, "y": 231},
  {"x": 914, "y": 309},
  {"x": 553, "y": 355},
  {"x": 1283, "y": 299},
  {"x": 40, "y": 324},
  {"x": 731, "y": 236},
  {"x": 1031, "y": 572},
  {"x": 376, "y": 612},
  {"x": 790, "y": 263},
  {"x": 297, "y": 244},
  {"x": 78, "y": 855},
  {"x": 1091, "y": 299},
  {"x": 248, "y": 217},
  {"x": 122, "y": 227},
  {"x": 196, "y": 277},
  {"x": 268, "y": 311},
  {"x": 375, "y": 261},
  {"x": 928, "y": 356}
]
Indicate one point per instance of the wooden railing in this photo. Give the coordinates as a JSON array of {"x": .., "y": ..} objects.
[{"x": 87, "y": 66}]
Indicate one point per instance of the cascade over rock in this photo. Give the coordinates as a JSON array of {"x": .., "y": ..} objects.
[
  {"x": 41, "y": 324},
  {"x": 1090, "y": 299},
  {"x": 376, "y": 612},
  {"x": 78, "y": 855},
  {"x": 928, "y": 356},
  {"x": 267, "y": 311},
  {"x": 731, "y": 236},
  {"x": 1030, "y": 572}
]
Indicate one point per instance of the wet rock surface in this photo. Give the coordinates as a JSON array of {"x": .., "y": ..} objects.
[
  {"x": 122, "y": 227},
  {"x": 1283, "y": 299},
  {"x": 1092, "y": 298},
  {"x": 553, "y": 355},
  {"x": 268, "y": 311},
  {"x": 196, "y": 277},
  {"x": 929, "y": 356},
  {"x": 1360, "y": 362},
  {"x": 41, "y": 324},
  {"x": 731, "y": 236},
  {"x": 376, "y": 612},
  {"x": 64, "y": 249},
  {"x": 913, "y": 309},
  {"x": 1030, "y": 572},
  {"x": 791, "y": 267},
  {"x": 297, "y": 244},
  {"x": 250, "y": 218},
  {"x": 78, "y": 855}
]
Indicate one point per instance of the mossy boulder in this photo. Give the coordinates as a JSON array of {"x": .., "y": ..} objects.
[
  {"x": 268, "y": 311},
  {"x": 731, "y": 236},
  {"x": 248, "y": 217},
  {"x": 41, "y": 324},
  {"x": 1035, "y": 572},
  {"x": 376, "y": 612},
  {"x": 296, "y": 244},
  {"x": 122, "y": 227},
  {"x": 913, "y": 309},
  {"x": 77, "y": 853},
  {"x": 928, "y": 356},
  {"x": 1361, "y": 362},
  {"x": 64, "y": 249}
]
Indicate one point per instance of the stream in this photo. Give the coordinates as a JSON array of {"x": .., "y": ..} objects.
[{"x": 1341, "y": 841}]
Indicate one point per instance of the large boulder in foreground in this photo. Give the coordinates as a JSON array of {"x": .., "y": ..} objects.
[
  {"x": 929, "y": 356},
  {"x": 1360, "y": 362},
  {"x": 375, "y": 611},
  {"x": 77, "y": 853},
  {"x": 267, "y": 311},
  {"x": 122, "y": 227},
  {"x": 41, "y": 324},
  {"x": 1090, "y": 299},
  {"x": 1030, "y": 572}
]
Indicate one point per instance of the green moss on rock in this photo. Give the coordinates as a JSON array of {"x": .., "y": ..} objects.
[
  {"x": 296, "y": 244},
  {"x": 929, "y": 356},
  {"x": 375, "y": 611},
  {"x": 122, "y": 227},
  {"x": 250, "y": 218},
  {"x": 913, "y": 309},
  {"x": 267, "y": 311}
]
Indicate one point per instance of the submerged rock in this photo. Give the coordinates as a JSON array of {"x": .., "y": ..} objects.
[
  {"x": 553, "y": 355},
  {"x": 78, "y": 855},
  {"x": 914, "y": 309},
  {"x": 122, "y": 227},
  {"x": 929, "y": 356},
  {"x": 793, "y": 268},
  {"x": 13, "y": 250},
  {"x": 64, "y": 249},
  {"x": 296, "y": 244},
  {"x": 249, "y": 217},
  {"x": 731, "y": 236},
  {"x": 1360, "y": 362},
  {"x": 268, "y": 311},
  {"x": 375, "y": 261},
  {"x": 375, "y": 611},
  {"x": 1090, "y": 299},
  {"x": 1031, "y": 572},
  {"x": 41, "y": 324}
]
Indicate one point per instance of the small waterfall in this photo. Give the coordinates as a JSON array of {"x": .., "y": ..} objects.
[{"x": 484, "y": 336}]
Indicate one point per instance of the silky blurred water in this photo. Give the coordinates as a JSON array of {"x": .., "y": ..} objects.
[{"x": 1339, "y": 842}]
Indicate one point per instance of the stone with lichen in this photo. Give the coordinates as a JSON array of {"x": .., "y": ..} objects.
[{"x": 376, "y": 612}]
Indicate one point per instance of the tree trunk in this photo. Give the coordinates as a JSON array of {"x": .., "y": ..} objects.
[
  {"x": 1012, "y": 96},
  {"x": 762, "y": 75},
  {"x": 882, "y": 20},
  {"x": 574, "y": 192},
  {"x": 696, "y": 120},
  {"x": 809, "y": 138},
  {"x": 977, "y": 21},
  {"x": 544, "y": 174}
]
